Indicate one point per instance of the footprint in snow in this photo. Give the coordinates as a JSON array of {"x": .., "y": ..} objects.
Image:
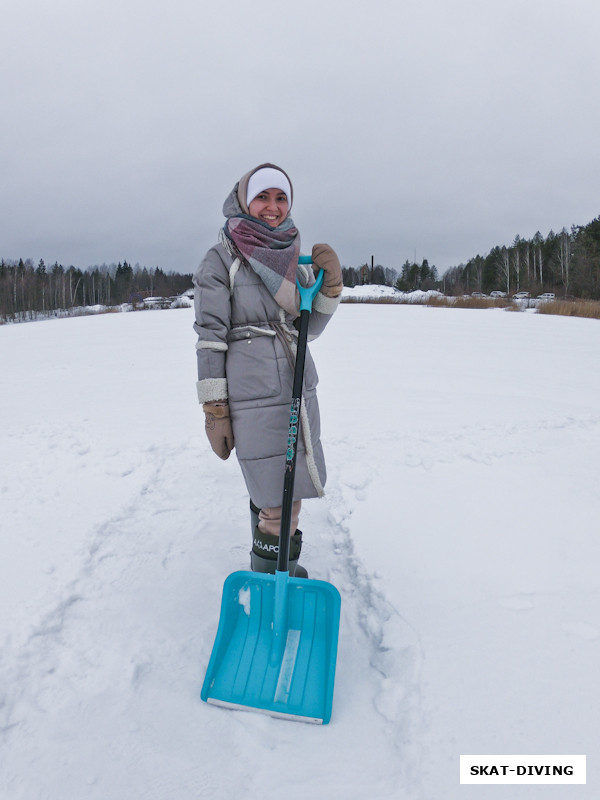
[{"x": 356, "y": 478}]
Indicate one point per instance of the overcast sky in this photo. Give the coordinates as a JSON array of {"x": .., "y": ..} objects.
[{"x": 435, "y": 128}]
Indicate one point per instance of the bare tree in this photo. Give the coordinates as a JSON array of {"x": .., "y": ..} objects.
[
  {"x": 504, "y": 266},
  {"x": 538, "y": 240},
  {"x": 564, "y": 257},
  {"x": 516, "y": 262}
]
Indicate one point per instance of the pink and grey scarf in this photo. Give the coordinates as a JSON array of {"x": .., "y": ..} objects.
[{"x": 271, "y": 252}]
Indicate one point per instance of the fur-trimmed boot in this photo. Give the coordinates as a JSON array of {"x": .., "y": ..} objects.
[{"x": 265, "y": 547}]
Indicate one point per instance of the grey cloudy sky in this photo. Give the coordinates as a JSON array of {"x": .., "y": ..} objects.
[{"x": 422, "y": 127}]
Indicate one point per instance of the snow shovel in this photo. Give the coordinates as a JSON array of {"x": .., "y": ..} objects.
[{"x": 276, "y": 644}]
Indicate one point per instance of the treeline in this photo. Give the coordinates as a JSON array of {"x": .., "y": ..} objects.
[
  {"x": 25, "y": 287},
  {"x": 412, "y": 276},
  {"x": 566, "y": 263}
]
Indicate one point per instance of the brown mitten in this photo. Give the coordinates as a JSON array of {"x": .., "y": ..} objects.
[
  {"x": 218, "y": 428},
  {"x": 324, "y": 258}
]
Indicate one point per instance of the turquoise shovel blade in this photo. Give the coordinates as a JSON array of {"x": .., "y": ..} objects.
[{"x": 276, "y": 646}]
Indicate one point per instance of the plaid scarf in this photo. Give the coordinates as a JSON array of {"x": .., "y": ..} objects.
[{"x": 271, "y": 252}]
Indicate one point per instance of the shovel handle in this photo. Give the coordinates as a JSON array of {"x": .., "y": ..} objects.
[{"x": 307, "y": 295}]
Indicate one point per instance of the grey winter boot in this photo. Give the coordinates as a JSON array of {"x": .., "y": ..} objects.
[{"x": 265, "y": 547}]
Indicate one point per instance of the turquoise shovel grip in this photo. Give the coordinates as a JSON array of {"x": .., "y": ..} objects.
[{"x": 308, "y": 293}]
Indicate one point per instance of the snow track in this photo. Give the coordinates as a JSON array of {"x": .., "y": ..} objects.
[{"x": 393, "y": 646}]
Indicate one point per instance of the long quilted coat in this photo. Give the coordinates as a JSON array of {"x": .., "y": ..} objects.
[{"x": 246, "y": 348}]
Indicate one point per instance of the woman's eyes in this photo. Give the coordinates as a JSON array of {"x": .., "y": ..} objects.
[{"x": 280, "y": 199}]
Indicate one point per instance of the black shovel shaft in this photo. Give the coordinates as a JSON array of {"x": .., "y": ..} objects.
[{"x": 292, "y": 446}]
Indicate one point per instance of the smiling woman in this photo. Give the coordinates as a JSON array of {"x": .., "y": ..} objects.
[{"x": 246, "y": 303}]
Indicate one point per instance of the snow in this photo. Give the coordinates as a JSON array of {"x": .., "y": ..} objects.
[
  {"x": 460, "y": 525},
  {"x": 371, "y": 293}
]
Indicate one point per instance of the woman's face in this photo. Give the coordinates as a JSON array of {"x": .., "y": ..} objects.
[{"x": 270, "y": 206}]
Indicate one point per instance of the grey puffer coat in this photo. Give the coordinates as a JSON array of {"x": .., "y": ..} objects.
[{"x": 246, "y": 350}]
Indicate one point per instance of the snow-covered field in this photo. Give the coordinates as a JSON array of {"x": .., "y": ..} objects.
[{"x": 460, "y": 526}]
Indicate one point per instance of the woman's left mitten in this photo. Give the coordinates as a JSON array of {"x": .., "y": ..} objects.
[{"x": 325, "y": 258}]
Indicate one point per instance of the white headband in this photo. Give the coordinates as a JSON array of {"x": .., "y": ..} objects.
[{"x": 267, "y": 178}]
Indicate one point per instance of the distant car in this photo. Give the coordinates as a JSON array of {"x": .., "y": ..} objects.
[
  {"x": 497, "y": 294},
  {"x": 547, "y": 296},
  {"x": 478, "y": 294},
  {"x": 521, "y": 296}
]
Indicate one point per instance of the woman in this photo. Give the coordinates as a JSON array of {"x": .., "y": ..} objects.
[{"x": 246, "y": 301}]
